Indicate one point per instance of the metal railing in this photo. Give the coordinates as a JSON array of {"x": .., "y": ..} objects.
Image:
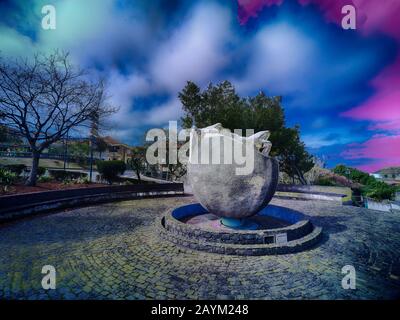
[{"x": 62, "y": 157}]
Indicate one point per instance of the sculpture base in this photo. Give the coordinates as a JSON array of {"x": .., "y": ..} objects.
[
  {"x": 274, "y": 230},
  {"x": 239, "y": 224}
]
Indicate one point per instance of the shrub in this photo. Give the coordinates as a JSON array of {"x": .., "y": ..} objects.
[
  {"x": 41, "y": 171},
  {"x": 325, "y": 181},
  {"x": 7, "y": 178},
  {"x": 44, "y": 179},
  {"x": 61, "y": 175},
  {"x": 372, "y": 188},
  {"x": 82, "y": 180},
  {"x": 354, "y": 174},
  {"x": 379, "y": 190},
  {"x": 332, "y": 179},
  {"x": 110, "y": 170},
  {"x": 16, "y": 168}
]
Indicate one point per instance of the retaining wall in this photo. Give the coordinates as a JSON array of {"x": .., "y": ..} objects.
[
  {"x": 341, "y": 195},
  {"x": 22, "y": 205}
]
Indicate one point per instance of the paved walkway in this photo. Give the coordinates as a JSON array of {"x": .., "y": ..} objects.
[{"x": 112, "y": 252}]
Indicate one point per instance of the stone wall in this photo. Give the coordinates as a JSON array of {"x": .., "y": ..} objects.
[
  {"x": 22, "y": 205},
  {"x": 330, "y": 193},
  {"x": 385, "y": 206}
]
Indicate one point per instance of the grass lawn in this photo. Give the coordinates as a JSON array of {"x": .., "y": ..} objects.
[{"x": 47, "y": 163}]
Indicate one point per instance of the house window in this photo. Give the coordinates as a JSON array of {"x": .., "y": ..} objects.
[{"x": 113, "y": 148}]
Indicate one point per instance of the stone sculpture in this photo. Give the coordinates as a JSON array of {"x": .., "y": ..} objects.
[{"x": 224, "y": 187}]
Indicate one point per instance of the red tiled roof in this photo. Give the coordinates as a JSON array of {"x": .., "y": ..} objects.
[{"x": 113, "y": 142}]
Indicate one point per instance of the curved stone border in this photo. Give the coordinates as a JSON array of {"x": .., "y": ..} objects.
[
  {"x": 311, "y": 192},
  {"x": 298, "y": 229},
  {"x": 22, "y": 205},
  {"x": 300, "y": 236}
]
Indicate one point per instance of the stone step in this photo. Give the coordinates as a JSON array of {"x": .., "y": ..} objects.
[{"x": 293, "y": 246}]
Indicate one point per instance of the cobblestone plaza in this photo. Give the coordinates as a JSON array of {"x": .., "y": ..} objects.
[{"x": 113, "y": 251}]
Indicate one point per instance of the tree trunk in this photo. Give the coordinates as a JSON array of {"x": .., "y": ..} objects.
[
  {"x": 300, "y": 176},
  {"x": 35, "y": 164},
  {"x": 138, "y": 175}
]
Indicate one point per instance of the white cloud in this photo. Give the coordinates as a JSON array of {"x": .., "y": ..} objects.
[
  {"x": 314, "y": 141},
  {"x": 196, "y": 50},
  {"x": 94, "y": 31},
  {"x": 329, "y": 138},
  {"x": 123, "y": 88},
  {"x": 13, "y": 43},
  {"x": 280, "y": 57},
  {"x": 169, "y": 111}
]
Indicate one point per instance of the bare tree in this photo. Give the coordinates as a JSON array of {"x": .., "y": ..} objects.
[{"x": 46, "y": 98}]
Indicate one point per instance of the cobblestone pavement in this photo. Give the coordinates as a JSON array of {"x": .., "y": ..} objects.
[{"x": 113, "y": 252}]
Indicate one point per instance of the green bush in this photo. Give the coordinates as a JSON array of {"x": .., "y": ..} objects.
[
  {"x": 110, "y": 170},
  {"x": 372, "y": 188},
  {"x": 7, "y": 178},
  {"x": 61, "y": 175},
  {"x": 353, "y": 174},
  {"x": 82, "y": 180},
  {"x": 379, "y": 190},
  {"x": 41, "y": 171},
  {"x": 44, "y": 179},
  {"x": 325, "y": 181},
  {"x": 16, "y": 168}
]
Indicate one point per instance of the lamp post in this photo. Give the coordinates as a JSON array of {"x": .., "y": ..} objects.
[
  {"x": 91, "y": 157},
  {"x": 65, "y": 151}
]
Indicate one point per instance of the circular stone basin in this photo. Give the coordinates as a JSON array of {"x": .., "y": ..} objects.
[
  {"x": 213, "y": 222},
  {"x": 273, "y": 230}
]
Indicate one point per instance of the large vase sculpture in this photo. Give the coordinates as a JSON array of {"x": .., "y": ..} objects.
[{"x": 226, "y": 187}]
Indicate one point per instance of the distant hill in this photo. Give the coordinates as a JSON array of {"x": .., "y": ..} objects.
[{"x": 389, "y": 171}]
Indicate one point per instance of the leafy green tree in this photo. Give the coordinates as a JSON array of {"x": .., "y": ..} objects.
[
  {"x": 100, "y": 145},
  {"x": 137, "y": 161},
  {"x": 378, "y": 190},
  {"x": 79, "y": 149},
  {"x": 354, "y": 174},
  {"x": 220, "y": 103},
  {"x": 291, "y": 152}
]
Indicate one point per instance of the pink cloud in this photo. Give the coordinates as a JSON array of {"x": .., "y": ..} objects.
[
  {"x": 250, "y": 8},
  {"x": 384, "y": 105},
  {"x": 383, "y": 108},
  {"x": 372, "y": 16},
  {"x": 393, "y": 126},
  {"x": 382, "y": 16},
  {"x": 382, "y": 150},
  {"x": 332, "y": 9},
  {"x": 378, "y": 165}
]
